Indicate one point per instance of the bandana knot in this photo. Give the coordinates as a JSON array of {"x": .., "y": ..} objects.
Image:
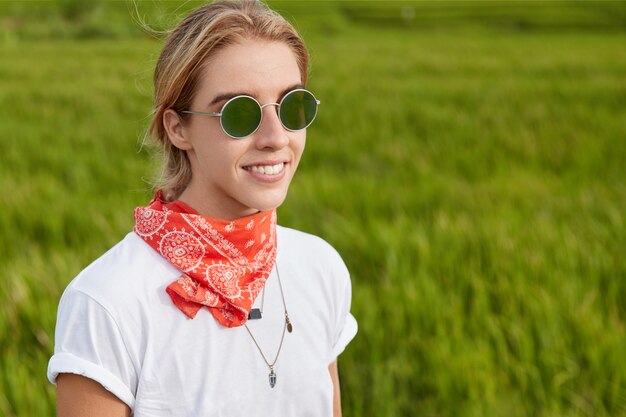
[{"x": 224, "y": 263}]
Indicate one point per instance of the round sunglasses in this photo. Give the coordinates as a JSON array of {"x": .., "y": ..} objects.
[{"x": 241, "y": 116}]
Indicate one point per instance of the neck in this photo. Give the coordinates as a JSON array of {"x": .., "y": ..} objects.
[{"x": 224, "y": 210}]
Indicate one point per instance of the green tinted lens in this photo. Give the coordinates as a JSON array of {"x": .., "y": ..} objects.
[
  {"x": 241, "y": 117},
  {"x": 298, "y": 109}
]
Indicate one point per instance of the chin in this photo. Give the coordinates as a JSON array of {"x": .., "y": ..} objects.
[{"x": 266, "y": 203}]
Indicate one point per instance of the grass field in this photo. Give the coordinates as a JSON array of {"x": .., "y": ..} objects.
[{"x": 468, "y": 162}]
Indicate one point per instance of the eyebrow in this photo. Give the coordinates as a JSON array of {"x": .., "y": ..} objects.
[{"x": 227, "y": 96}]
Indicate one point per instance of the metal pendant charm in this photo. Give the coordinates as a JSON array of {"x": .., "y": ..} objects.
[
  {"x": 254, "y": 314},
  {"x": 272, "y": 378},
  {"x": 289, "y": 326}
]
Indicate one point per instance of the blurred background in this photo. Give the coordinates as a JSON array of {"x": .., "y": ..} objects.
[{"x": 468, "y": 162}]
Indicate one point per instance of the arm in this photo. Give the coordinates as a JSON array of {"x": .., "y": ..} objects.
[
  {"x": 79, "y": 396},
  {"x": 334, "y": 375}
]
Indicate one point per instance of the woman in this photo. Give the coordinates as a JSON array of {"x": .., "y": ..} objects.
[{"x": 208, "y": 308}]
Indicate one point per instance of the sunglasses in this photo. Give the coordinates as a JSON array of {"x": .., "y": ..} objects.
[{"x": 241, "y": 116}]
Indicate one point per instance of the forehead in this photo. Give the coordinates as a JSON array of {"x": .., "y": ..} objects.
[{"x": 252, "y": 66}]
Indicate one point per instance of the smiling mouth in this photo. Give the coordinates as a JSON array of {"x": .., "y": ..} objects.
[{"x": 266, "y": 169}]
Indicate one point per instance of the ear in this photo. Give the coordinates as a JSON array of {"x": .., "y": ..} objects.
[{"x": 175, "y": 130}]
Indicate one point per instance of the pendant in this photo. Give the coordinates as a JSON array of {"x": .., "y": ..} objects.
[
  {"x": 272, "y": 378},
  {"x": 289, "y": 326},
  {"x": 254, "y": 314}
]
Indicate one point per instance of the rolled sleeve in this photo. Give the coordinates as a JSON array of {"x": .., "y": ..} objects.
[
  {"x": 347, "y": 334},
  {"x": 346, "y": 326},
  {"x": 88, "y": 342}
]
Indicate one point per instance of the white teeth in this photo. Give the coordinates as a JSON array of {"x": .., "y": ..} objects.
[{"x": 266, "y": 169}]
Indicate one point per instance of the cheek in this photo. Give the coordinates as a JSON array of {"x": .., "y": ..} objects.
[
  {"x": 298, "y": 143},
  {"x": 216, "y": 162},
  {"x": 213, "y": 145}
]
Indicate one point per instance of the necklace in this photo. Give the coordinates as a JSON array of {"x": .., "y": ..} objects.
[
  {"x": 287, "y": 326},
  {"x": 257, "y": 313}
]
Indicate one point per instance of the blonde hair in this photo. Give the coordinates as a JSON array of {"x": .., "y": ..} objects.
[{"x": 189, "y": 45}]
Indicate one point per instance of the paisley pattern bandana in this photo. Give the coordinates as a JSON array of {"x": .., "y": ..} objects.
[{"x": 224, "y": 263}]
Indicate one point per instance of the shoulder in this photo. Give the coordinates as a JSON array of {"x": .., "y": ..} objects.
[
  {"x": 123, "y": 275},
  {"x": 295, "y": 239},
  {"x": 319, "y": 283},
  {"x": 311, "y": 258},
  {"x": 305, "y": 246}
]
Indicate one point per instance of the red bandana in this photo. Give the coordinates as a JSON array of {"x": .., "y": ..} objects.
[{"x": 224, "y": 263}]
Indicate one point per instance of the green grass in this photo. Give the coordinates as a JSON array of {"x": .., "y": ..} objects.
[{"x": 471, "y": 173}]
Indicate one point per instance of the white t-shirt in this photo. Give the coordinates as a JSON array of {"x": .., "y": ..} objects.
[{"x": 117, "y": 325}]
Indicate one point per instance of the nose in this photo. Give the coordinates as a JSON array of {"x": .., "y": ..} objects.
[{"x": 271, "y": 133}]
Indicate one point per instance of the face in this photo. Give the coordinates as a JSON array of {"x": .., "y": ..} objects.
[{"x": 233, "y": 178}]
